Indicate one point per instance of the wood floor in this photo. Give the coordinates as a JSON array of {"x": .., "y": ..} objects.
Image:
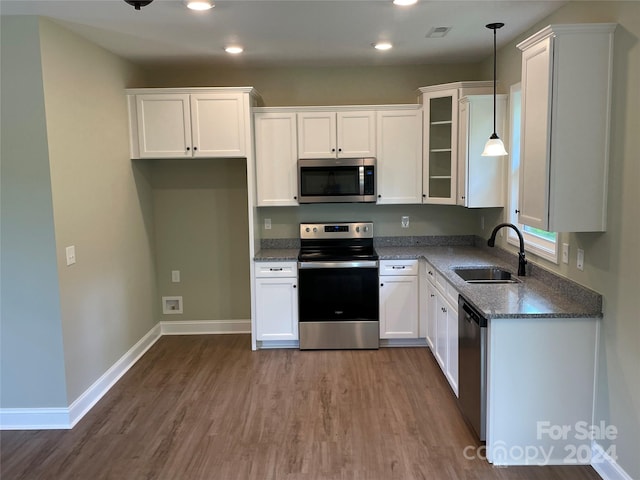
[{"x": 207, "y": 407}]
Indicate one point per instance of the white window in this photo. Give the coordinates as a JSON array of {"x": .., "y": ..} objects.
[{"x": 539, "y": 242}]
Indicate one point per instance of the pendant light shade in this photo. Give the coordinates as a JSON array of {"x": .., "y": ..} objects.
[{"x": 494, "y": 146}]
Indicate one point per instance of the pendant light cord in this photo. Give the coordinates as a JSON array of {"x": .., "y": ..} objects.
[{"x": 494, "y": 81}]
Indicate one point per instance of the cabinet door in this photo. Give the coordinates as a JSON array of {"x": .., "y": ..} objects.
[
  {"x": 276, "y": 309},
  {"x": 534, "y": 146},
  {"x": 164, "y": 129},
  {"x": 317, "y": 135},
  {"x": 432, "y": 317},
  {"x": 218, "y": 124},
  {"x": 481, "y": 180},
  {"x": 356, "y": 134},
  {"x": 440, "y": 147},
  {"x": 276, "y": 159},
  {"x": 399, "y": 307},
  {"x": 442, "y": 324},
  {"x": 399, "y": 163},
  {"x": 452, "y": 347}
]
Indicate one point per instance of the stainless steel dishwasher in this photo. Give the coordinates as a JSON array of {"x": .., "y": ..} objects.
[{"x": 472, "y": 367}]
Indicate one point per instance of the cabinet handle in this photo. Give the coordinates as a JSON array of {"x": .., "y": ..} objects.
[
  {"x": 517, "y": 211},
  {"x": 195, "y": 148},
  {"x": 275, "y": 269},
  {"x": 462, "y": 197},
  {"x": 398, "y": 267},
  {"x": 294, "y": 286},
  {"x": 382, "y": 284},
  {"x": 430, "y": 273},
  {"x": 424, "y": 195},
  {"x": 333, "y": 149},
  {"x": 188, "y": 148},
  {"x": 432, "y": 295},
  {"x": 339, "y": 149},
  {"x": 295, "y": 198},
  {"x": 379, "y": 196},
  {"x": 444, "y": 310}
]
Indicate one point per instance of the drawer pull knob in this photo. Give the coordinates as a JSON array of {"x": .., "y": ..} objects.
[{"x": 275, "y": 269}]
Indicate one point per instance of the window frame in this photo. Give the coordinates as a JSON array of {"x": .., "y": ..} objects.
[{"x": 535, "y": 244}]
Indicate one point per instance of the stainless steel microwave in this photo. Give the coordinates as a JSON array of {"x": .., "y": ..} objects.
[{"x": 335, "y": 180}]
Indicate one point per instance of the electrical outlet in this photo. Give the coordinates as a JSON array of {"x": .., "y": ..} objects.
[
  {"x": 175, "y": 276},
  {"x": 405, "y": 221},
  {"x": 267, "y": 224},
  {"x": 580, "y": 263},
  {"x": 565, "y": 253}
]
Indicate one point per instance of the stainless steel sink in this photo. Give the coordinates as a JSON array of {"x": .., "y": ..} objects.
[{"x": 485, "y": 275}]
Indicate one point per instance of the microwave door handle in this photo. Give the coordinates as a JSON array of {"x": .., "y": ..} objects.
[{"x": 361, "y": 177}]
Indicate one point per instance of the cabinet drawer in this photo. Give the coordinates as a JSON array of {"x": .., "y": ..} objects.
[
  {"x": 431, "y": 273},
  {"x": 276, "y": 269},
  {"x": 447, "y": 289},
  {"x": 398, "y": 267},
  {"x": 452, "y": 296}
]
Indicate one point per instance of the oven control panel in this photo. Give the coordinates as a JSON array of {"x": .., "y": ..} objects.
[{"x": 336, "y": 230}]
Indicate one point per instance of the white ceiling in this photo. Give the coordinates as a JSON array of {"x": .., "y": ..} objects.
[{"x": 291, "y": 32}]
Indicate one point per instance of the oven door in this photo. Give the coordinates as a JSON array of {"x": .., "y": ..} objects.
[{"x": 338, "y": 305}]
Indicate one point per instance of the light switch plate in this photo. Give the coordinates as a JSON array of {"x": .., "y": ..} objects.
[
  {"x": 405, "y": 221},
  {"x": 267, "y": 224},
  {"x": 175, "y": 276},
  {"x": 70, "y": 252},
  {"x": 565, "y": 253}
]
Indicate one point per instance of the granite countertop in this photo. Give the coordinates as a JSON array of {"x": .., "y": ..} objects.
[
  {"x": 277, "y": 255},
  {"x": 543, "y": 294},
  {"x": 540, "y": 294}
]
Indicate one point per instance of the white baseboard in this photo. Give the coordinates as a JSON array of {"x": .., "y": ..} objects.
[
  {"x": 606, "y": 466},
  {"x": 34, "y": 419},
  {"x": 66, "y": 418},
  {"x": 100, "y": 387},
  {"x": 205, "y": 327}
]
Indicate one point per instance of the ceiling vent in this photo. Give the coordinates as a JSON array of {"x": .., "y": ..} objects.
[{"x": 438, "y": 32}]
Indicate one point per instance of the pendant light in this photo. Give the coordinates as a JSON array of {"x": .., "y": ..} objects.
[
  {"x": 494, "y": 146},
  {"x": 138, "y": 3}
]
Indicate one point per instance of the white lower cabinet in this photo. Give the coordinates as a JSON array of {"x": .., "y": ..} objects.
[
  {"x": 398, "y": 299},
  {"x": 276, "y": 301},
  {"x": 442, "y": 326}
]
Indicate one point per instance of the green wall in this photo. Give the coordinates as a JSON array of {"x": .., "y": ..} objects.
[{"x": 31, "y": 350}]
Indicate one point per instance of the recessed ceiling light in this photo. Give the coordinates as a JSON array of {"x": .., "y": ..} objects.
[
  {"x": 233, "y": 49},
  {"x": 199, "y": 4},
  {"x": 382, "y": 46},
  {"x": 404, "y": 3}
]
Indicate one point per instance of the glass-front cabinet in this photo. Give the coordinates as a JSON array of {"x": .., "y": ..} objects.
[
  {"x": 440, "y": 143},
  {"x": 440, "y": 155}
]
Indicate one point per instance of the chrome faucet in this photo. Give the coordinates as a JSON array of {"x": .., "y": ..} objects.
[{"x": 522, "y": 261}]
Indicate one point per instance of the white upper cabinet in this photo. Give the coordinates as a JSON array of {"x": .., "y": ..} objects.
[
  {"x": 440, "y": 143},
  {"x": 276, "y": 159},
  {"x": 185, "y": 123},
  {"x": 481, "y": 180},
  {"x": 327, "y": 134},
  {"x": 399, "y": 162},
  {"x": 218, "y": 125},
  {"x": 163, "y": 126},
  {"x": 566, "y": 104}
]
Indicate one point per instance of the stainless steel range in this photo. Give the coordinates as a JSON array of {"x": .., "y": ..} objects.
[{"x": 338, "y": 287}]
